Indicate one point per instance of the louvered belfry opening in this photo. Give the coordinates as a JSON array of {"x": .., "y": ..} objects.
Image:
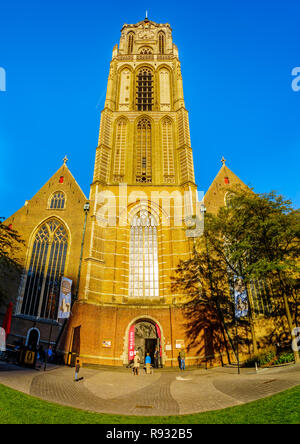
[{"x": 145, "y": 90}]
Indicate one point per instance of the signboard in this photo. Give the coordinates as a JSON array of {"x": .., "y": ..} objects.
[
  {"x": 131, "y": 343},
  {"x": 29, "y": 357},
  {"x": 179, "y": 343},
  {"x": 240, "y": 298},
  {"x": 65, "y": 298},
  {"x": 168, "y": 347},
  {"x": 106, "y": 344}
]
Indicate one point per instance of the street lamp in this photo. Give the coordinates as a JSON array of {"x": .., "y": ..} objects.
[{"x": 86, "y": 209}]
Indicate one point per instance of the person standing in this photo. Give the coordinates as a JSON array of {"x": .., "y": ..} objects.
[
  {"x": 179, "y": 361},
  {"x": 182, "y": 359},
  {"x": 77, "y": 369},
  {"x": 148, "y": 363},
  {"x": 50, "y": 354},
  {"x": 136, "y": 364}
]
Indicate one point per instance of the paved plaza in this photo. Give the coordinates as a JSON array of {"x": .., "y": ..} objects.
[{"x": 166, "y": 392}]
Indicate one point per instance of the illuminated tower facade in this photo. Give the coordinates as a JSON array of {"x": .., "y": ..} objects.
[{"x": 142, "y": 191}]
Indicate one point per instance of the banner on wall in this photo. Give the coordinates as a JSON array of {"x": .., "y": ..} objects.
[
  {"x": 240, "y": 298},
  {"x": 64, "y": 308},
  {"x": 159, "y": 335},
  {"x": 131, "y": 343}
]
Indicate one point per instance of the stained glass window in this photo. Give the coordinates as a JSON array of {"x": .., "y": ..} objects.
[
  {"x": 143, "y": 250},
  {"x": 47, "y": 264}
]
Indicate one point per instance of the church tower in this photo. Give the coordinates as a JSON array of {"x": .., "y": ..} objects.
[{"x": 142, "y": 191}]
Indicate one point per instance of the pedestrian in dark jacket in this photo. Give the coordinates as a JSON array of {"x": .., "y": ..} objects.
[{"x": 77, "y": 369}]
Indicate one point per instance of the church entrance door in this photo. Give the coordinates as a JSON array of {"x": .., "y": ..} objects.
[{"x": 146, "y": 340}]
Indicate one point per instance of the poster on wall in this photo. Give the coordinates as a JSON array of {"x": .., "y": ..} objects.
[
  {"x": 179, "y": 343},
  {"x": 131, "y": 343},
  {"x": 64, "y": 308},
  {"x": 106, "y": 344}
]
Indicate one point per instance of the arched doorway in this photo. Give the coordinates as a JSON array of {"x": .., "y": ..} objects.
[
  {"x": 144, "y": 336},
  {"x": 33, "y": 338}
]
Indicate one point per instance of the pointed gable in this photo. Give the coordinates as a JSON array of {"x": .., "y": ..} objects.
[
  {"x": 216, "y": 194},
  {"x": 67, "y": 205}
]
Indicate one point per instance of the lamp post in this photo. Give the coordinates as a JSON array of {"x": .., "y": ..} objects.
[{"x": 86, "y": 209}]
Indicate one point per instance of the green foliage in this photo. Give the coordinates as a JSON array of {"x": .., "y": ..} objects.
[
  {"x": 261, "y": 359},
  {"x": 270, "y": 358},
  {"x": 285, "y": 358},
  {"x": 10, "y": 243},
  {"x": 258, "y": 238}
]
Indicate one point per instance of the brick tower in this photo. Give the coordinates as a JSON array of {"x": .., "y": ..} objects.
[{"x": 141, "y": 193}]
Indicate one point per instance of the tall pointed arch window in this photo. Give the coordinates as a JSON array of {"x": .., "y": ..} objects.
[
  {"x": 144, "y": 92},
  {"x": 168, "y": 151},
  {"x": 161, "y": 43},
  {"x": 143, "y": 251},
  {"x": 46, "y": 267},
  {"x": 120, "y": 149},
  {"x": 144, "y": 151},
  {"x": 57, "y": 201},
  {"x": 130, "y": 42}
]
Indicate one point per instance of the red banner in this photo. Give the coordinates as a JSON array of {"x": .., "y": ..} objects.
[
  {"x": 7, "y": 319},
  {"x": 131, "y": 343},
  {"x": 159, "y": 335}
]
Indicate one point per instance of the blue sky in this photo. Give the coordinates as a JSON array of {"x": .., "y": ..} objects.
[{"x": 237, "y": 58}]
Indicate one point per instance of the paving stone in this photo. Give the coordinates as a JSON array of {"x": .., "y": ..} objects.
[{"x": 112, "y": 390}]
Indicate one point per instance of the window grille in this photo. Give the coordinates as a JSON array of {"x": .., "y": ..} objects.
[
  {"x": 57, "y": 201},
  {"x": 144, "y": 94}
]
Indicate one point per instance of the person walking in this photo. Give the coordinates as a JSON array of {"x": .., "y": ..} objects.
[
  {"x": 77, "y": 369},
  {"x": 136, "y": 364},
  {"x": 182, "y": 359}
]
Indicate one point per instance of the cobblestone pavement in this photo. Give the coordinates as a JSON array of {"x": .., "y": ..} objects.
[{"x": 165, "y": 392}]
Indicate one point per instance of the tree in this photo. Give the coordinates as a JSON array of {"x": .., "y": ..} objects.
[
  {"x": 10, "y": 244},
  {"x": 258, "y": 237},
  {"x": 207, "y": 306},
  {"x": 254, "y": 238}
]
